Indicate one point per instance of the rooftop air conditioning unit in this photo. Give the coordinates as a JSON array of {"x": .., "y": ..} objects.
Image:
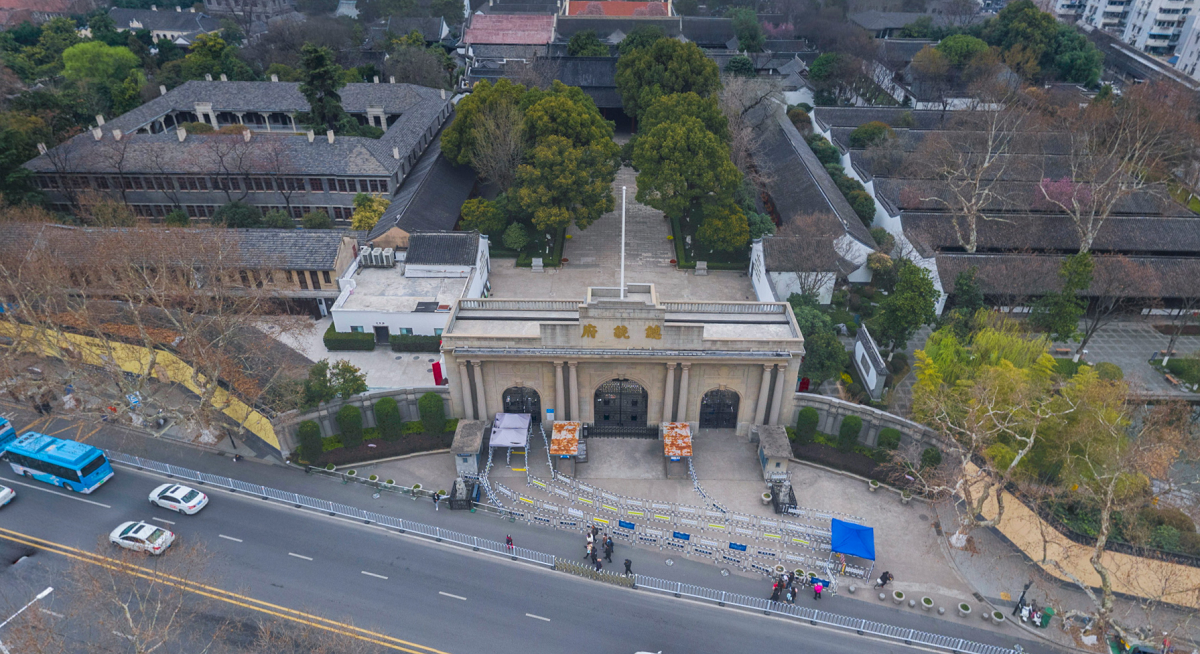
[
  {"x": 389, "y": 258},
  {"x": 377, "y": 257},
  {"x": 364, "y": 258}
]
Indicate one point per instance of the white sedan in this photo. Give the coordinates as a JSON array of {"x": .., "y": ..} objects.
[
  {"x": 179, "y": 498},
  {"x": 142, "y": 537},
  {"x": 6, "y": 495}
]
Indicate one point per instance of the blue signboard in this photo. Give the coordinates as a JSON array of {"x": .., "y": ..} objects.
[
  {"x": 738, "y": 547},
  {"x": 624, "y": 525},
  {"x": 681, "y": 536}
]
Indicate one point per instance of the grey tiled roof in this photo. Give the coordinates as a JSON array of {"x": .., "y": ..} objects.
[
  {"x": 855, "y": 116},
  {"x": 167, "y": 21},
  {"x": 1177, "y": 277},
  {"x": 431, "y": 196},
  {"x": 909, "y": 194},
  {"x": 442, "y": 248}
]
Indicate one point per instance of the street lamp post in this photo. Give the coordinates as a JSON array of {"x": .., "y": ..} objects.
[{"x": 41, "y": 595}]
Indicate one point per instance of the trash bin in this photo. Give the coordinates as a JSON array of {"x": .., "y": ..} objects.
[{"x": 1047, "y": 613}]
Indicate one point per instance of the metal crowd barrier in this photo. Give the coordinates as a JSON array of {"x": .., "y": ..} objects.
[
  {"x": 336, "y": 509},
  {"x": 813, "y": 616},
  {"x": 908, "y": 636}
]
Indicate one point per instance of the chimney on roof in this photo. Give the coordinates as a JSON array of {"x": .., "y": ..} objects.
[
  {"x": 100, "y": 120},
  {"x": 207, "y": 77},
  {"x": 97, "y": 133},
  {"x": 117, "y": 134},
  {"x": 177, "y": 8},
  {"x": 162, "y": 89},
  {"x": 246, "y": 135},
  {"x": 224, "y": 78},
  {"x": 274, "y": 78},
  {"x": 311, "y": 136},
  {"x": 153, "y": 7},
  {"x": 192, "y": 9},
  {"x": 375, "y": 79},
  {"x": 42, "y": 148},
  {"x": 180, "y": 133},
  {"x": 395, "y": 153},
  {"x": 443, "y": 94},
  {"x": 391, "y": 79},
  {"x": 329, "y": 135}
]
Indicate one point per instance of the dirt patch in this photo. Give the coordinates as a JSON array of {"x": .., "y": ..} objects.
[
  {"x": 1188, "y": 330},
  {"x": 380, "y": 449}
]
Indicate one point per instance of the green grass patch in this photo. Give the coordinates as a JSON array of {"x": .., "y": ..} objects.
[{"x": 1067, "y": 368}]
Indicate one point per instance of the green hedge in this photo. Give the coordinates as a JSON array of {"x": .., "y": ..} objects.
[
  {"x": 433, "y": 413},
  {"x": 387, "y": 417},
  {"x": 349, "y": 420},
  {"x": 341, "y": 341},
  {"x": 889, "y": 439},
  {"x": 806, "y": 425},
  {"x": 525, "y": 259},
  {"x": 309, "y": 436},
  {"x": 684, "y": 264},
  {"x": 848, "y": 433},
  {"x": 415, "y": 343}
]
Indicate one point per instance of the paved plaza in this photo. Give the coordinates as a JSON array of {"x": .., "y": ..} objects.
[{"x": 1130, "y": 344}]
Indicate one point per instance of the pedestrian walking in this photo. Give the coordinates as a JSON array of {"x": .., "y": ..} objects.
[
  {"x": 590, "y": 538},
  {"x": 628, "y": 567},
  {"x": 883, "y": 579},
  {"x": 587, "y": 553},
  {"x": 775, "y": 590},
  {"x": 608, "y": 549},
  {"x": 817, "y": 588},
  {"x": 436, "y": 499},
  {"x": 508, "y": 542},
  {"x": 598, "y": 566},
  {"x": 595, "y": 531},
  {"x": 790, "y": 596}
]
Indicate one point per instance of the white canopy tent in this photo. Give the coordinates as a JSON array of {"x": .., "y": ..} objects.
[{"x": 511, "y": 430}]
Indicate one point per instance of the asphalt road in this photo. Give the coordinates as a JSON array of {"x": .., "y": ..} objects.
[{"x": 434, "y": 595}]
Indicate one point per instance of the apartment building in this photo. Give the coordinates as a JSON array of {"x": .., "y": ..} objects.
[{"x": 1152, "y": 26}]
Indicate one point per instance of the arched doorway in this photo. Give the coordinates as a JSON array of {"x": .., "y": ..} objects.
[
  {"x": 621, "y": 410},
  {"x": 719, "y": 409},
  {"x": 519, "y": 399}
]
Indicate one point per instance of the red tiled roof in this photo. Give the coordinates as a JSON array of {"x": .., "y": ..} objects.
[
  {"x": 616, "y": 8},
  {"x": 509, "y": 29}
]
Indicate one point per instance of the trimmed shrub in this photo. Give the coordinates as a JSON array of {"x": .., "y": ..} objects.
[
  {"x": 872, "y": 133},
  {"x": 800, "y": 119},
  {"x": 1165, "y": 537},
  {"x": 848, "y": 433},
  {"x": 415, "y": 343},
  {"x": 884, "y": 239},
  {"x": 1185, "y": 368},
  {"x": 931, "y": 457},
  {"x": 1109, "y": 371},
  {"x": 433, "y": 413},
  {"x": 889, "y": 439},
  {"x": 1189, "y": 543},
  {"x": 1168, "y": 516},
  {"x": 413, "y": 427},
  {"x": 309, "y": 436},
  {"x": 826, "y": 152},
  {"x": 349, "y": 420},
  {"x": 387, "y": 416},
  {"x": 806, "y": 425},
  {"x": 342, "y": 341}
]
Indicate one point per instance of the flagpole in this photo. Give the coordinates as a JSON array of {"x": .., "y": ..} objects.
[{"x": 622, "y": 242}]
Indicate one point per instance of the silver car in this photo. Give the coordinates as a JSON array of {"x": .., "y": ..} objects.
[{"x": 179, "y": 498}]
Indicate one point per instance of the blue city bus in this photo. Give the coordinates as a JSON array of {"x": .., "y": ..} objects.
[
  {"x": 7, "y": 433},
  {"x": 73, "y": 465}
]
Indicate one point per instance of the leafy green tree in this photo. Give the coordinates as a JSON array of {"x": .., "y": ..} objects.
[
  {"x": 872, "y": 133},
  {"x": 458, "y": 140},
  {"x": 848, "y": 433},
  {"x": 920, "y": 28},
  {"x": 127, "y": 95},
  {"x": 1021, "y": 23},
  {"x": 723, "y": 227},
  {"x": 238, "y": 214},
  {"x": 1075, "y": 58},
  {"x": 317, "y": 220},
  {"x": 741, "y": 66},
  {"x": 515, "y": 237},
  {"x": 177, "y": 218},
  {"x": 824, "y": 356},
  {"x": 449, "y": 10},
  {"x": 349, "y": 422},
  {"x": 968, "y": 298},
  {"x": 97, "y": 62},
  {"x": 278, "y": 219},
  {"x": 568, "y": 112},
  {"x": 640, "y": 37},
  {"x": 889, "y": 439},
  {"x": 806, "y": 425},
  {"x": 347, "y": 379},
  {"x": 585, "y": 43},
  {"x": 562, "y": 184},
  {"x": 760, "y": 225},
  {"x": 747, "y": 29},
  {"x": 433, "y": 413},
  {"x": 687, "y": 7},
  {"x": 387, "y": 417},
  {"x": 19, "y": 135},
  {"x": 666, "y": 66},
  {"x": 317, "y": 388},
  {"x": 484, "y": 216},
  {"x": 824, "y": 66},
  {"x": 309, "y": 436},
  {"x": 671, "y": 107},
  {"x": 909, "y": 305},
  {"x": 368, "y": 209},
  {"x": 961, "y": 48},
  {"x": 322, "y": 79},
  {"x": 931, "y": 457},
  {"x": 284, "y": 72},
  {"x": 681, "y": 165},
  {"x": 1059, "y": 313}
]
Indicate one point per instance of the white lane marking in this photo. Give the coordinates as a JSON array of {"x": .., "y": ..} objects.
[
  {"x": 47, "y": 490},
  {"x": 49, "y": 612},
  {"x": 372, "y": 574},
  {"x": 161, "y": 520},
  {"x": 236, "y": 540},
  {"x": 300, "y": 556},
  {"x": 537, "y": 617},
  {"x": 459, "y": 597}
]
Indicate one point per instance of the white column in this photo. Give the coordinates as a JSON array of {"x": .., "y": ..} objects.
[
  {"x": 669, "y": 394},
  {"x": 681, "y": 415},
  {"x": 480, "y": 392},
  {"x": 574, "y": 377},
  {"x": 760, "y": 409},
  {"x": 292, "y": 117},
  {"x": 777, "y": 401},
  {"x": 464, "y": 386},
  {"x": 560, "y": 406}
]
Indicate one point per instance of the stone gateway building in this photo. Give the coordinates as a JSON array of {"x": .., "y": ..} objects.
[{"x": 623, "y": 365}]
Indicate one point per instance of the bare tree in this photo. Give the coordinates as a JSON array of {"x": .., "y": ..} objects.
[
  {"x": 271, "y": 155},
  {"x": 816, "y": 246},
  {"x": 1184, "y": 286},
  {"x": 749, "y": 103},
  {"x": 539, "y": 73},
  {"x": 498, "y": 145},
  {"x": 932, "y": 77},
  {"x": 413, "y": 65},
  {"x": 1119, "y": 286},
  {"x": 230, "y": 155}
]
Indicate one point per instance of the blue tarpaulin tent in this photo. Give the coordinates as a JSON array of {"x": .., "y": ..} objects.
[{"x": 852, "y": 540}]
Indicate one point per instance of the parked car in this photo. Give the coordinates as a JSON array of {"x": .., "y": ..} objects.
[
  {"x": 142, "y": 537},
  {"x": 176, "y": 497},
  {"x": 6, "y": 495}
]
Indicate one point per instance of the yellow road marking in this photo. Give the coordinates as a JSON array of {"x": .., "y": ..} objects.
[
  {"x": 220, "y": 594},
  {"x": 83, "y": 439}
]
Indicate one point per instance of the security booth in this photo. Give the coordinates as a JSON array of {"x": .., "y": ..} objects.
[
  {"x": 774, "y": 451},
  {"x": 467, "y": 444},
  {"x": 565, "y": 446},
  {"x": 677, "y": 449}
]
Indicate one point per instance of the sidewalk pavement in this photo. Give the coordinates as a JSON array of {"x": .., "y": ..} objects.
[{"x": 1130, "y": 344}]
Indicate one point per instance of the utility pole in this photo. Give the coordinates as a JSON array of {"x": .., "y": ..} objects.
[
  {"x": 622, "y": 242},
  {"x": 41, "y": 595}
]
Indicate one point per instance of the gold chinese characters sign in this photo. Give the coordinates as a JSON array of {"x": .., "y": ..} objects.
[{"x": 653, "y": 332}]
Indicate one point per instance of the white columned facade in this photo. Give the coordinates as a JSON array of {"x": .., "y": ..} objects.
[
  {"x": 764, "y": 389},
  {"x": 669, "y": 395},
  {"x": 574, "y": 377},
  {"x": 683, "y": 392},
  {"x": 777, "y": 402},
  {"x": 481, "y": 407},
  {"x": 464, "y": 390},
  {"x": 559, "y": 404}
]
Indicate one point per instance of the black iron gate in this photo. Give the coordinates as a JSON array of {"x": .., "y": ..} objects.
[
  {"x": 520, "y": 399},
  {"x": 719, "y": 409},
  {"x": 621, "y": 410}
]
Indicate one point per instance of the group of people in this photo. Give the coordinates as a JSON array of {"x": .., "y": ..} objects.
[
  {"x": 1031, "y": 611},
  {"x": 596, "y": 541},
  {"x": 787, "y": 588}
]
